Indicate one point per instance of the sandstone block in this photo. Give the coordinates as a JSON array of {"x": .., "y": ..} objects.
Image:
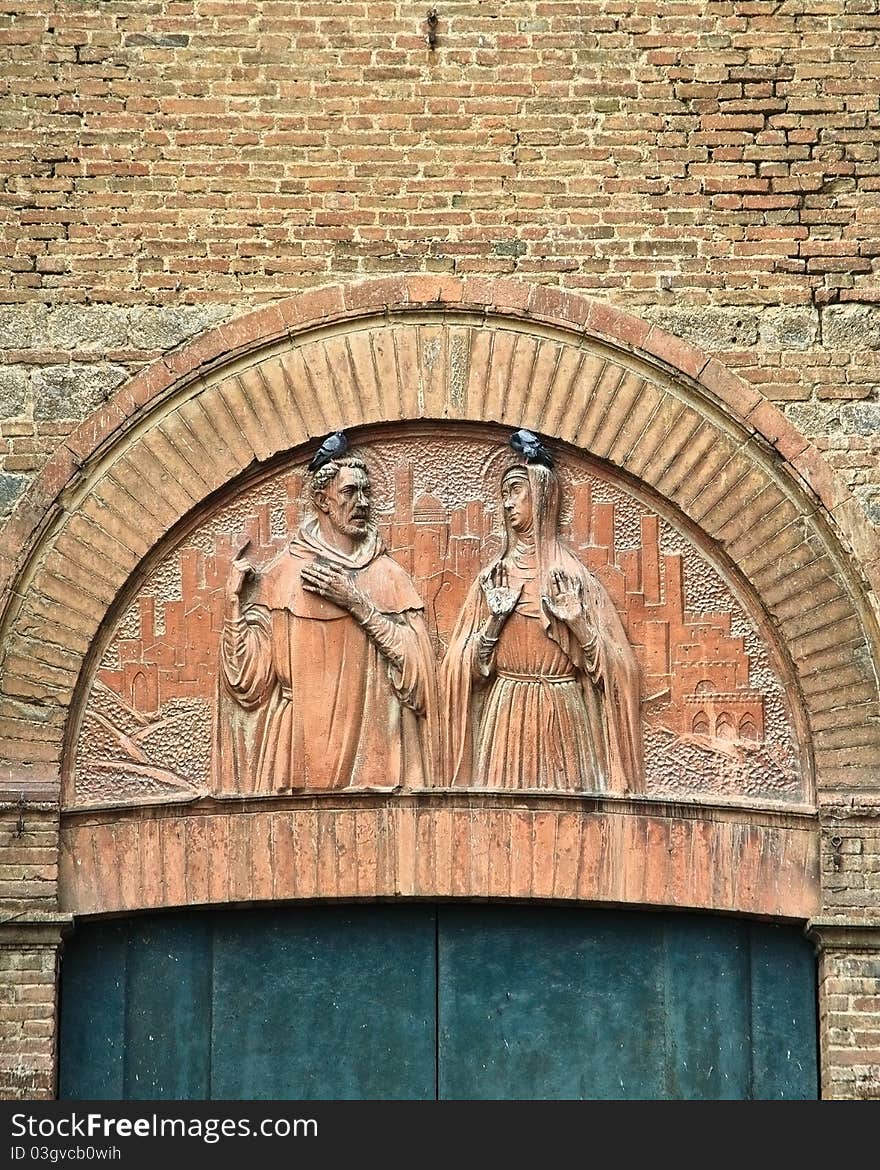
[{"x": 73, "y": 391}]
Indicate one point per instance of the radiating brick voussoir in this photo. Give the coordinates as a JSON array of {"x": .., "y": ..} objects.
[
  {"x": 544, "y": 304},
  {"x": 673, "y": 352},
  {"x": 605, "y": 321},
  {"x": 32, "y": 513},
  {"x": 733, "y": 393}
]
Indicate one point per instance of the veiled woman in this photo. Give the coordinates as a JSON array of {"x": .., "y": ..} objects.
[{"x": 541, "y": 686}]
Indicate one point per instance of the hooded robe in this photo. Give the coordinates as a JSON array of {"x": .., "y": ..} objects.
[
  {"x": 327, "y": 707},
  {"x": 543, "y": 711}
]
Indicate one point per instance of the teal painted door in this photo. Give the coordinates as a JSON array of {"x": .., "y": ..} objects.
[
  {"x": 416, "y": 1002},
  {"x": 335, "y": 1003},
  {"x": 603, "y": 1005}
]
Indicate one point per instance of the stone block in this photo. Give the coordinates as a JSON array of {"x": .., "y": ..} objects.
[
  {"x": 813, "y": 418},
  {"x": 711, "y": 329},
  {"x": 165, "y": 327},
  {"x": 15, "y": 391},
  {"x": 869, "y": 498},
  {"x": 11, "y": 487},
  {"x": 851, "y": 327},
  {"x": 79, "y": 327},
  {"x": 22, "y": 326},
  {"x": 788, "y": 329},
  {"x": 74, "y": 391},
  {"x": 861, "y": 418}
]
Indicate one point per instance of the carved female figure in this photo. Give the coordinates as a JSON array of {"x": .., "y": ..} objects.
[{"x": 541, "y": 686}]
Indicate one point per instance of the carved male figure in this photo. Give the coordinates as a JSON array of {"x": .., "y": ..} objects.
[
  {"x": 540, "y": 685},
  {"x": 332, "y": 652}
]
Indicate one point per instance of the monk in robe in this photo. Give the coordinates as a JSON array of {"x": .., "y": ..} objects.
[
  {"x": 540, "y": 685},
  {"x": 332, "y": 653}
]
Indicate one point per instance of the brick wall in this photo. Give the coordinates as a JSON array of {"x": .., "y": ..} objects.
[
  {"x": 28, "y": 1020},
  {"x": 29, "y": 939},
  {"x": 712, "y": 166},
  {"x": 851, "y": 857},
  {"x": 849, "y": 1007},
  {"x": 28, "y": 857}
]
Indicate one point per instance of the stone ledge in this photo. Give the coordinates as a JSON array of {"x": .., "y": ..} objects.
[
  {"x": 437, "y": 845},
  {"x": 839, "y": 933},
  {"x": 34, "y": 928}
]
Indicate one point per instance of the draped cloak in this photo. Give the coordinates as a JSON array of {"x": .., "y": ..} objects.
[
  {"x": 306, "y": 698},
  {"x": 544, "y": 711}
]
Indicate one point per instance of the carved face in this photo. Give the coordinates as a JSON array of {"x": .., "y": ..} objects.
[
  {"x": 346, "y": 502},
  {"x": 516, "y": 496}
]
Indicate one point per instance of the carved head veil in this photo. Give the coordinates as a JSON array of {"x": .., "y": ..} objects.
[{"x": 546, "y": 496}]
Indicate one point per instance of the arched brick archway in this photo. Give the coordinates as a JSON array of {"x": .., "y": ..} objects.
[
  {"x": 611, "y": 384},
  {"x": 663, "y": 413}
]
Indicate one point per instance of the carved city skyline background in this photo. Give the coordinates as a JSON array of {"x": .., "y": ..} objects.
[{"x": 715, "y": 714}]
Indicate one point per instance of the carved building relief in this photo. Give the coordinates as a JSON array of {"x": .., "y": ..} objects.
[{"x": 595, "y": 648}]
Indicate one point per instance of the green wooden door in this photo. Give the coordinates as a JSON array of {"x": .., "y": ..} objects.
[
  {"x": 604, "y": 1005},
  {"x": 334, "y": 1003},
  {"x": 415, "y": 1002}
]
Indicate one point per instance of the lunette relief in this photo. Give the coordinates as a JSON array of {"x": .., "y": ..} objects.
[{"x": 431, "y": 608}]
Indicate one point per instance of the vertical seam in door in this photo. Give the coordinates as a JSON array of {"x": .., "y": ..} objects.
[
  {"x": 59, "y": 1019},
  {"x": 126, "y": 1007},
  {"x": 667, "y": 1039},
  {"x": 211, "y": 936},
  {"x": 125, "y": 1010},
  {"x": 436, "y": 1003},
  {"x": 751, "y": 993},
  {"x": 816, "y": 1032}
]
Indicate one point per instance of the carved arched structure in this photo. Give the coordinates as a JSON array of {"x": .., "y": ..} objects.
[{"x": 675, "y": 422}]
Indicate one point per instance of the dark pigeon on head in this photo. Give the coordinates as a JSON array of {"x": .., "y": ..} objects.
[
  {"x": 333, "y": 447},
  {"x": 531, "y": 448}
]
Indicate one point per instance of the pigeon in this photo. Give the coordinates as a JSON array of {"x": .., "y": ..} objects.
[
  {"x": 531, "y": 448},
  {"x": 332, "y": 447}
]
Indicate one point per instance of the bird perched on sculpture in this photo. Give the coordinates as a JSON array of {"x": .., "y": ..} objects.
[
  {"x": 531, "y": 448},
  {"x": 333, "y": 447}
]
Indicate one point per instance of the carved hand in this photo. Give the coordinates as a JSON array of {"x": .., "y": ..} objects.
[
  {"x": 565, "y": 600},
  {"x": 500, "y": 597},
  {"x": 240, "y": 571},
  {"x": 332, "y": 583}
]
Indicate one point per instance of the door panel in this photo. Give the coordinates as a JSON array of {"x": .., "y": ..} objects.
[
  {"x": 597, "y": 1004},
  {"x": 331, "y": 1003},
  {"x": 704, "y": 979},
  {"x": 783, "y": 1001},
  {"x": 168, "y": 1009},
  {"x": 540, "y": 1004},
  {"x": 472, "y": 1001},
  {"x": 92, "y": 1044}
]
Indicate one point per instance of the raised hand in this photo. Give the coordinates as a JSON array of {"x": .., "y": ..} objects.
[
  {"x": 565, "y": 600},
  {"x": 500, "y": 597},
  {"x": 240, "y": 571}
]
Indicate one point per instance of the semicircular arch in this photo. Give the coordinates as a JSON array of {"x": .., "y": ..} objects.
[{"x": 610, "y": 385}]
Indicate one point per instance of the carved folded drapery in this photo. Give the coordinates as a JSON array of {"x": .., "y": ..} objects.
[
  {"x": 452, "y": 622},
  {"x": 318, "y": 679}
]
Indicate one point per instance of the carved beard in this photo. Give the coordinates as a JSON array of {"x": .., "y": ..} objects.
[{"x": 357, "y": 530}]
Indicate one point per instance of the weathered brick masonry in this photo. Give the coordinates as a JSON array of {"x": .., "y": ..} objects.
[{"x": 713, "y": 168}]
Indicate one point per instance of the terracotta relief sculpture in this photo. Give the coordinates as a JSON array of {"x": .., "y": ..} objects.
[
  {"x": 540, "y": 685},
  {"x": 328, "y": 647},
  {"x": 307, "y": 663}
]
